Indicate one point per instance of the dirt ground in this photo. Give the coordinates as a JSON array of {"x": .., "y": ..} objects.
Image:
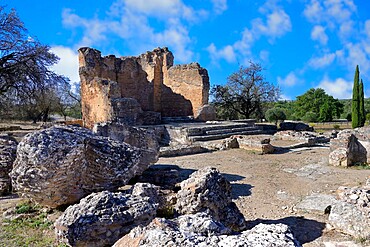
[{"x": 267, "y": 187}]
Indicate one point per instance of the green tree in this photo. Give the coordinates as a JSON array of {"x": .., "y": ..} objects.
[
  {"x": 245, "y": 92},
  {"x": 316, "y": 101},
  {"x": 356, "y": 100},
  {"x": 362, "y": 112},
  {"x": 326, "y": 114},
  {"x": 275, "y": 114}
]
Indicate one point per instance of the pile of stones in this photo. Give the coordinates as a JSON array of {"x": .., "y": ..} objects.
[
  {"x": 76, "y": 170},
  {"x": 73, "y": 169}
]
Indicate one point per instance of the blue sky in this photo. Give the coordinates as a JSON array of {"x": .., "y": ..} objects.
[{"x": 302, "y": 44}]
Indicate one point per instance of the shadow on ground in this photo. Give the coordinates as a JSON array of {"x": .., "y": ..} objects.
[
  {"x": 304, "y": 230},
  {"x": 238, "y": 190}
]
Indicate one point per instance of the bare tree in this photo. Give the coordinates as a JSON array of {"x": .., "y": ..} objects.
[
  {"x": 27, "y": 84},
  {"x": 245, "y": 92}
]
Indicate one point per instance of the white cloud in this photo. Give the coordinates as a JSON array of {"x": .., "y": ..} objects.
[
  {"x": 313, "y": 11},
  {"x": 338, "y": 88},
  {"x": 318, "y": 34},
  {"x": 335, "y": 15},
  {"x": 275, "y": 24},
  {"x": 290, "y": 80},
  {"x": 131, "y": 21},
  {"x": 68, "y": 63},
  {"x": 226, "y": 53},
  {"x": 321, "y": 62},
  {"x": 285, "y": 97},
  {"x": 219, "y": 6},
  {"x": 330, "y": 12},
  {"x": 94, "y": 30}
]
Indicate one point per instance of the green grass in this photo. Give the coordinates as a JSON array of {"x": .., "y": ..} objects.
[
  {"x": 362, "y": 166},
  {"x": 31, "y": 230}
]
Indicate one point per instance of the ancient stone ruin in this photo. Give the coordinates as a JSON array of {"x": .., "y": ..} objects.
[{"x": 139, "y": 90}]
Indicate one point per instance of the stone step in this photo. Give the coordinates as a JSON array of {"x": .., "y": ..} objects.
[
  {"x": 222, "y": 131},
  {"x": 184, "y": 119},
  {"x": 224, "y": 135},
  {"x": 195, "y": 131}
]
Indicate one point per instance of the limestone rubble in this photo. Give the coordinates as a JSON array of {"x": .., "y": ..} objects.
[
  {"x": 100, "y": 219},
  {"x": 60, "y": 165},
  {"x": 202, "y": 230},
  {"x": 206, "y": 190}
]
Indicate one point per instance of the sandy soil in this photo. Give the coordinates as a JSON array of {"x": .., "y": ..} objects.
[{"x": 267, "y": 187}]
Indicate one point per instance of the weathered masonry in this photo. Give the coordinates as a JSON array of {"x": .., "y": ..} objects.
[{"x": 139, "y": 90}]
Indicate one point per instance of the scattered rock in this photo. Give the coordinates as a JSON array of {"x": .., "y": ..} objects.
[
  {"x": 317, "y": 203},
  {"x": 182, "y": 149},
  {"x": 346, "y": 150},
  {"x": 256, "y": 143},
  {"x": 297, "y": 126},
  {"x": 351, "y": 215},
  {"x": 100, "y": 219},
  {"x": 201, "y": 230},
  {"x": 347, "y": 218},
  {"x": 206, "y": 113},
  {"x": 60, "y": 165},
  {"x": 207, "y": 190},
  {"x": 8, "y": 149},
  {"x": 308, "y": 137}
]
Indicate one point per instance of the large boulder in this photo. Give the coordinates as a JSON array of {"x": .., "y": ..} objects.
[
  {"x": 141, "y": 138},
  {"x": 206, "y": 190},
  {"x": 60, "y": 165},
  {"x": 8, "y": 149},
  {"x": 100, "y": 219},
  {"x": 352, "y": 213},
  {"x": 202, "y": 230},
  {"x": 347, "y": 150}
]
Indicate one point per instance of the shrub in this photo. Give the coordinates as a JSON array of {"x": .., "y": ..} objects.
[{"x": 275, "y": 114}]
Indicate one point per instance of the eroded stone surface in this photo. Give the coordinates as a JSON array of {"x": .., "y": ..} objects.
[
  {"x": 206, "y": 113},
  {"x": 352, "y": 213},
  {"x": 206, "y": 190},
  {"x": 317, "y": 203},
  {"x": 151, "y": 79},
  {"x": 100, "y": 219},
  {"x": 201, "y": 230},
  {"x": 60, "y": 165},
  {"x": 350, "y": 147},
  {"x": 144, "y": 139},
  {"x": 8, "y": 149}
]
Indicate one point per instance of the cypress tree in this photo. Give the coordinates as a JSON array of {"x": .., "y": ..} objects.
[
  {"x": 355, "y": 100},
  {"x": 362, "y": 113}
]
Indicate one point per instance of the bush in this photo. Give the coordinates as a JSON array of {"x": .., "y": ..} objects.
[{"x": 275, "y": 114}]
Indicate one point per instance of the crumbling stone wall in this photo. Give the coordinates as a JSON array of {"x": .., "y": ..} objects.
[{"x": 151, "y": 79}]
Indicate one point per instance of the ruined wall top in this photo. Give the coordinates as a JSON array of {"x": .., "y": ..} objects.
[{"x": 150, "y": 78}]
